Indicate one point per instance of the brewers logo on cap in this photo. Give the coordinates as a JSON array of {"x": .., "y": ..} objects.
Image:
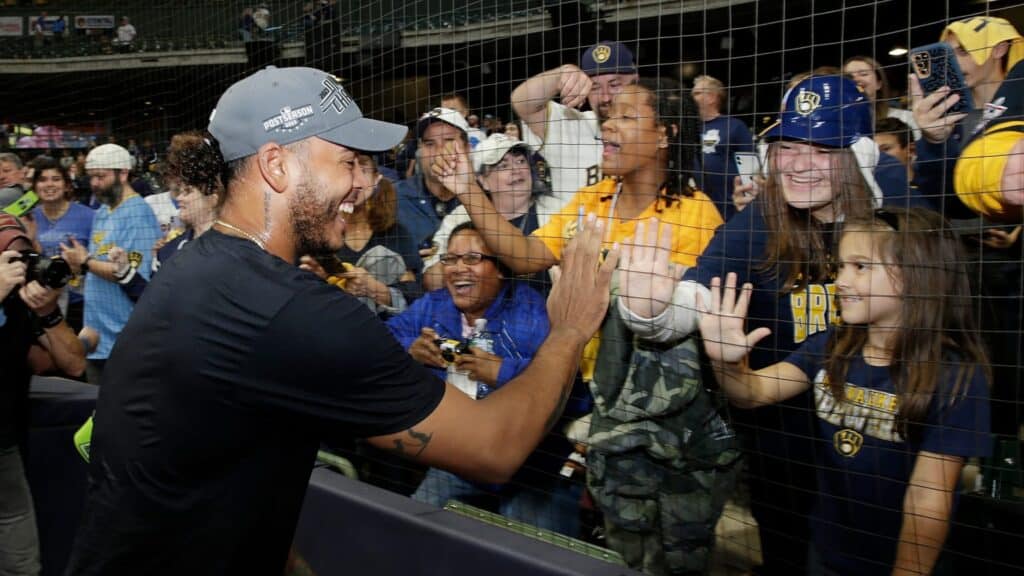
[
  {"x": 807, "y": 102},
  {"x": 602, "y": 53},
  {"x": 848, "y": 442}
]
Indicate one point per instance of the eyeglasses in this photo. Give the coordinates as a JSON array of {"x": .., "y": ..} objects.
[{"x": 469, "y": 258}]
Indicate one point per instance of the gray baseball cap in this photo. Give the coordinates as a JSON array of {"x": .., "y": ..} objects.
[{"x": 285, "y": 105}]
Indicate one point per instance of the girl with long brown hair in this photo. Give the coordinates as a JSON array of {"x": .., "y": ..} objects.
[
  {"x": 782, "y": 243},
  {"x": 900, "y": 389}
]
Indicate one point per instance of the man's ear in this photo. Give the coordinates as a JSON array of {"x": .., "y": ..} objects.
[
  {"x": 1000, "y": 49},
  {"x": 271, "y": 159},
  {"x": 480, "y": 182}
]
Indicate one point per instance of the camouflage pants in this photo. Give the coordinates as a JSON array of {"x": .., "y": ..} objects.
[{"x": 668, "y": 530}]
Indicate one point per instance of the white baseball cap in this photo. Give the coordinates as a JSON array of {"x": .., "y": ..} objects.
[
  {"x": 493, "y": 149},
  {"x": 441, "y": 114},
  {"x": 108, "y": 157}
]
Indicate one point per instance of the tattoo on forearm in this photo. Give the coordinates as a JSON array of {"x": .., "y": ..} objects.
[
  {"x": 415, "y": 445},
  {"x": 559, "y": 407}
]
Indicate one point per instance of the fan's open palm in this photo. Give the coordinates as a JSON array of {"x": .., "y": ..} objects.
[
  {"x": 721, "y": 325},
  {"x": 647, "y": 277}
]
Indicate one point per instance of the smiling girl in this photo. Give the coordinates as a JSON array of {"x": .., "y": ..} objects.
[
  {"x": 58, "y": 219},
  {"x": 900, "y": 391},
  {"x": 782, "y": 244},
  {"x": 651, "y": 138}
]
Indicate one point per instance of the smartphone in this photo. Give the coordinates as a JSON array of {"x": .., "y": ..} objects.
[
  {"x": 935, "y": 66},
  {"x": 748, "y": 165}
]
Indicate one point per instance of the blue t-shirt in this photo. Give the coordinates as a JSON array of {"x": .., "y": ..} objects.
[
  {"x": 721, "y": 139},
  {"x": 863, "y": 462},
  {"x": 75, "y": 223},
  {"x": 133, "y": 227}
]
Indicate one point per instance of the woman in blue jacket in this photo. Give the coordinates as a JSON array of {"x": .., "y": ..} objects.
[{"x": 503, "y": 321}]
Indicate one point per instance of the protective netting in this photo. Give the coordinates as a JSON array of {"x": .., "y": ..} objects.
[{"x": 650, "y": 456}]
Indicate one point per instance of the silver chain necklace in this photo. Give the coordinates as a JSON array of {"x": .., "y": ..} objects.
[{"x": 255, "y": 240}]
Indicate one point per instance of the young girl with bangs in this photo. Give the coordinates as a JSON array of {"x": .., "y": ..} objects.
[
  {"x": 782, "y": 243},
  {"x": 900, "y": 391}
]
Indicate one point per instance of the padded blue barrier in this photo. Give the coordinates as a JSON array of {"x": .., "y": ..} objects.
[
  {"x": 56, "y": 473},
  {"x": 348, "y": 527}
]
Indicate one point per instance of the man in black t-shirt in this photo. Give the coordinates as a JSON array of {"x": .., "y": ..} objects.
[{"x": 235, "y": 362}]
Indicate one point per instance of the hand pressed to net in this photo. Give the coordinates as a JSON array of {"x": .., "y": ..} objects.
[
  {"x": 579, "y": 300},
  {"x": 722, "y": 325},
  {"x": 647, "y": 277}
]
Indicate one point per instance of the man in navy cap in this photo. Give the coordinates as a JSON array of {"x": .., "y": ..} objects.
[
  {"x": 568, "y": 138},
  {"x": 236, "y": 362}
]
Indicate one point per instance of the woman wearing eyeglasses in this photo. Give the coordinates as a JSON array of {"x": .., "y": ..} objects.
[{"x": 484, "y": 327}]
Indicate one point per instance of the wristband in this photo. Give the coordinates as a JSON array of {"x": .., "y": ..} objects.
[
  {"x": 125, "y": 277},
  {"x": 85, "y": 264},
  {"x": 52, "y": 319}
]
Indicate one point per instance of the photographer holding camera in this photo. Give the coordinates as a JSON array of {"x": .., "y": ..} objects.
[
  {"x": 479, "y": 332},
  {"x": 29, "y": 317}
]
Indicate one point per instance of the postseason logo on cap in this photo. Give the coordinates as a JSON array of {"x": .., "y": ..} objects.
[
  {"x": 332, "y": 97},
  {"x": 289, "y": 119}
]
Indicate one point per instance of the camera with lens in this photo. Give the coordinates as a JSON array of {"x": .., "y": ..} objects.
[
  {"x": 53, "y": 272},
  {"x": 451, "y": 349}
]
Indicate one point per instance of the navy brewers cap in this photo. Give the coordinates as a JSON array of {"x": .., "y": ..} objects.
[
  {"x": 824, "y": 110},
  {"x": 607, "y": 58},
  {"x": 285, "y": 105}
]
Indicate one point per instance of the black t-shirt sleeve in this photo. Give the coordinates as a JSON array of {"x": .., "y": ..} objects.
[{"x": 326, "y": 356}]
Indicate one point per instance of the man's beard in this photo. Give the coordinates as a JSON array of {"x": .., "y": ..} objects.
[
  {"x": 111, "y": 195},
  {"x": 311, "y": 215}
]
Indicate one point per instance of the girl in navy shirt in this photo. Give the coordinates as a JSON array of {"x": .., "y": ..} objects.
[
  {"x": 781, "y": 243},
  {"x": 900, "y": 391}
]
